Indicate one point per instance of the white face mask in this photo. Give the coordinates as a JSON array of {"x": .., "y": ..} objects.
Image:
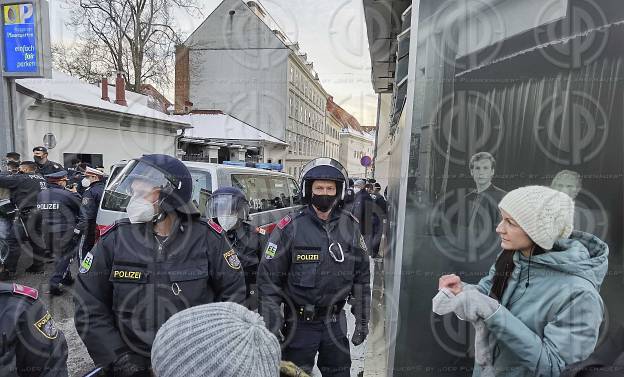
[
  {"x": 227, "y": 222},
  {"x": 140, "y": 210},
  {"x": 85, "y": 182},
  {"x": 356, "y": 189}
]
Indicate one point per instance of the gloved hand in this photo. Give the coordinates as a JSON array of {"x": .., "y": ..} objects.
[
  {"x": 471, "y": 305},
  {"x": 360, "y": 334},
  {"x": 130, "y": 365},
  {"x": 289, "y": 369}
]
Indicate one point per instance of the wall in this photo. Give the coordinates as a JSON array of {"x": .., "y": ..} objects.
[
  {"x": 237, "y": 83},
  {"x": 352, "y": 149},
  {"x": 384, "y": 145},
  {"x": 91, "y": 133}
]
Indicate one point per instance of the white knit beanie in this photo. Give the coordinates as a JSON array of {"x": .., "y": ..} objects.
[
  {"x": 221, "y": 339},
  {"x": 546, "y": 215}
]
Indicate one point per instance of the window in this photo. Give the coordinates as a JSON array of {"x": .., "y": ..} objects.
[
  {"x": 294, "y": 190},
  {"x": 278, "y": 190},
  {"x": 255, "y": 189},
  {"x": 201, "y": 181}
]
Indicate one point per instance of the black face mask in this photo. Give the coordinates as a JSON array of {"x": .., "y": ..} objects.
[
  {"x": 38, "y": 159},
  {"x": 323, "y": 202}
]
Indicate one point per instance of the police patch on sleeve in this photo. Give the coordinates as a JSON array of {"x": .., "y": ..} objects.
[
  {"x": 363, "y": 244},
  {"x": 85, "y": 200},
  {"x": 85, "y": 266},
  {"x": 270, "y": 251},
  {"x": 47, "y": 327},
  {"x": 232, "y": 259}
]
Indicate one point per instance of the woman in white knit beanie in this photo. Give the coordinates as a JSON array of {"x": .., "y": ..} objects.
[{"x": 540, "y": 303}]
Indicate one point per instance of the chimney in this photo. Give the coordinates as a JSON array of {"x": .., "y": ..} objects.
[
  {"x": 120, "y": 90},
  {"x": 188, "y": 107},
  {"x": 104, "y": 85}
]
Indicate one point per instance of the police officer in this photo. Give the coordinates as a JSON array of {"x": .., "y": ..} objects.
[
  {"x": 347, "y": 202},
  {"x": 24, "y": 188},
  {"x": 31, "y": 343},
  {"x": 314, "y": 261},
  {"x": 363, "y": 207},
  {"x": 58, "y": 209},
  {"x": 45, "y": 166},
  {"x": 229, "y": 208},
  {"x": 94, "y": 183},
  {"x": 161, "y": 260}
]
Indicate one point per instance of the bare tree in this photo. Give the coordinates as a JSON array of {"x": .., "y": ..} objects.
[{"x": 138, "y": 37}]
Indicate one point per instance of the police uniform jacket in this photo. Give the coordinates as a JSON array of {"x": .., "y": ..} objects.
[
  {"x": 298, "y": 269},
  {"x": 24, "y": 188},
  {"x": 248, "y": 241},
  {"x": 30, "y": 342},
  {"x": 50, "y": 167},
  {"x": 89, "y": 208},
  {"x": 58, "y": 209},
  {"x": 131, "y": 282},
  {"x": 363, "y": 210}
]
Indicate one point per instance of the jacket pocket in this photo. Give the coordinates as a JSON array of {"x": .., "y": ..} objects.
[
  {"x": 305, "y": 266},
  {"x": 189, "y": 284},
  {"x": 129, "y": 286}
]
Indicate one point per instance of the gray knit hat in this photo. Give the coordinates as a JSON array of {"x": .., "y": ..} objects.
[
  {"x": 221, "y": 339},
  {"x": 546, "y": 215}
]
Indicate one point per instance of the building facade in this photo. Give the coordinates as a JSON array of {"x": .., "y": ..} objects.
[
  {"x": 354, "y": 145},
  {"x": 332, "y": 136},
  {"x": 98, "y": 125},
  {"x": 237, "y": 63}
]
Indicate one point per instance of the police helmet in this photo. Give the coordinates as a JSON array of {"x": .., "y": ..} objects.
[
  {"x": 227, "y": 201},
  {"x": 156, "y": 171},
  {"x": 326, "y": 169}
]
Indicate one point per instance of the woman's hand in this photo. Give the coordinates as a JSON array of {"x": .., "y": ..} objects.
[{"x": 452, "y": 282}]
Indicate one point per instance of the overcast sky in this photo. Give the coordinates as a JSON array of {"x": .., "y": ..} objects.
[{"x": 332, "y": 32}]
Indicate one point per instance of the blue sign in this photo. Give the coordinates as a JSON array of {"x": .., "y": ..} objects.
[{"x": 19, "y": 38}]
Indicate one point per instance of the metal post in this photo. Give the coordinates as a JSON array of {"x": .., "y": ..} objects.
[{"x": 7, "y": 143}]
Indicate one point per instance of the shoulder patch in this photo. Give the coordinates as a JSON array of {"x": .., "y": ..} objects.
[
  {"x": 232, "y": 259},
  {"x": 270, "y": 251},
  {"x": 86, "y": 263},
  {"x": 216, "y": 227},
  {"x": 23, "y": 290},
  {"x": 261, "y": 231},
  {"x": 283, "y": 222},
  {"x": 47, "y": 327}
]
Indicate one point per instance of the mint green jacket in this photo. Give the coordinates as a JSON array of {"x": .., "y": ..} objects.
[{"x": 554, "y": 321}]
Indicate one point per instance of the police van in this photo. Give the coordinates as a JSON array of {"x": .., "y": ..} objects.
[{"x": 271, "y": 194}]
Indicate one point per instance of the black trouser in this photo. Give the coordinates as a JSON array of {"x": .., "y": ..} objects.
[
  {"x": 24, "y": 230},
  {"x": 329, "y": 338},
  {"x": 63, "y": 250}
]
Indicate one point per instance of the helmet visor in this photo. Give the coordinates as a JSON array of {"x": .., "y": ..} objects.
[
  {"x": 137, "y": 179},
  {"x": 227, "y": 205}
]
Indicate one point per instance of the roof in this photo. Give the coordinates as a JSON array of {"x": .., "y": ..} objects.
[
  {"x": 67, "y": 89},
  {"x": 345, "y": 119},
  {"x": 216, "y": 125},
  {"x": 356, "y": 133}
]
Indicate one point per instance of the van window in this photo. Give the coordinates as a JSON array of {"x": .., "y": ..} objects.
[
  {"x": 279, "y": 191},
  {"x": 255, "y": 189},
  {"x": 294, "y": 191},
  {"x": 202, "y": 180}
]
